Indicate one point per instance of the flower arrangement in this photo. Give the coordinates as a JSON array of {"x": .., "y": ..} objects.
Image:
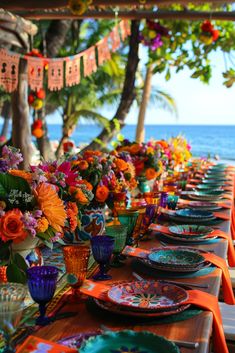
[
  {"x": 73, "y": 190},
  {"x": 148, "y": 165},
  {"x": 95, "y": 169},
  {"x": 208, "y": 33},
  {"x": 152, "y": 34},
  {"x": 26, "y": 210},
  {"x": 180, "y": 150}
]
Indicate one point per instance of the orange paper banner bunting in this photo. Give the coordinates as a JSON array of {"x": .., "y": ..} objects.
[
  {"x": 103, "y": 51},
  {"x": 125, "y": 29},
  {"x": 72, "y": 71},
  {"x": 55, "y": 75},
  {"x": 35, "y": 73},
  {"x": 115, "y": 39},
  {"x": 89, "y": 61},
  {"x": 9, "y": 64}
]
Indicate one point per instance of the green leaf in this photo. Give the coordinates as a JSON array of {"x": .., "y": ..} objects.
[
  {"x": 60, "y": 241},
  {"x": 15, "y": 274},
  {"x": 20, "y": 262}
]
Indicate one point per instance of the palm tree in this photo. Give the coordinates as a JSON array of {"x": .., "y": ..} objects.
[{"x": 161, "y": 98}]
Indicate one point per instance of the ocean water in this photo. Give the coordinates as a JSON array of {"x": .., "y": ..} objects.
[{"x": 213, "y": 140}]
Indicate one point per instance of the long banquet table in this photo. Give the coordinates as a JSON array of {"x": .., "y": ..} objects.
[{"x": 196, "y": 329}]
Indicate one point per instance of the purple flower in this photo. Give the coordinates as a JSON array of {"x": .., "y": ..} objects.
[
  {"x": 3, "y": 166},
  {"x": 30, "y": 223},
  {"x": 12, "y": 156}
]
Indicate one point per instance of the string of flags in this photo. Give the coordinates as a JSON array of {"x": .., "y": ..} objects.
[{"x": 61, "y": 71}]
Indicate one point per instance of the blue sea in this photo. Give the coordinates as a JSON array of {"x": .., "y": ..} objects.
[{"x": 213, "y": 140}]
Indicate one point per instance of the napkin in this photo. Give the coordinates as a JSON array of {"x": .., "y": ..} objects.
[
  {"x": 226, "y": 281},
  {"x": 35, "y": 344},
  {"x": 209, "y": 302}
]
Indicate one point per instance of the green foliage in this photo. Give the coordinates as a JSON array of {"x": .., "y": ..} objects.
[
  {"x": 16, "y": 192},
  {"x": 184, "y": 48},
  {"x": 16, "y": 270}
]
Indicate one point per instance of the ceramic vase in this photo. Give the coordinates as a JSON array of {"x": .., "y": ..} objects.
[
  {"x": 29, "y": 250},
  {"x": 92, "y": 222}
]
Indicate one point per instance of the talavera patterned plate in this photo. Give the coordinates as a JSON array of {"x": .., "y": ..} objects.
[
  {"x": 191, "y": 213},
  {"x": 147, "y": 295},
  {"x": 176, "y": 258},
  {"x": 190, "y": 230},
  {"x": 128, "y": 342}
]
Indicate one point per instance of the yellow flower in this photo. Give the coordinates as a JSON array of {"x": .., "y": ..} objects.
[
  {"x": 51, "y": 205},
  {"x": 42, "y": 225},
  {"x": 150, "y": 150}
]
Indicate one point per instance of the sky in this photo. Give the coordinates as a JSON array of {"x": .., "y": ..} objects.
[{"x": 197, "y": 103}]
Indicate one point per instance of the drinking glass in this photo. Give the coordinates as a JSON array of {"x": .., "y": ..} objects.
[
  {"x": 11, "y": 308},
  {"x": 119, "y": 233},
  {"x": 172, "y": 201},
  {"x": 42, "y": 282},
  {"x": 76, "y": 262},
  {"x": 128, "y": 218},
  {"x": 102, "y": 248}
]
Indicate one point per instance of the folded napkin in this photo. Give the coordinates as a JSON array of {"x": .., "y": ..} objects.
[
  {"x": 210, "y": 302},
  {"x": 203, "y": 300}
]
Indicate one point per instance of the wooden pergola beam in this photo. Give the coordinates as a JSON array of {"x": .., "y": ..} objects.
[
  {"x": 16, "y": 5},
  {"x": 133, "y": 15}
]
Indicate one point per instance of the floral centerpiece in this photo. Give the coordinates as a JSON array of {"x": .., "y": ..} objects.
[
  {"x": 72, "y": 189},
  {"x": 180, "y": 151},
  {"x": 148, "y": 165},
  {"x": 27, "y": 211}
]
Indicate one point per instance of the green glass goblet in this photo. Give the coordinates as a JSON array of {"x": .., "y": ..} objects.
[
  {"x": 128, "y": 217},
  {"x": 119, "y": 233}
]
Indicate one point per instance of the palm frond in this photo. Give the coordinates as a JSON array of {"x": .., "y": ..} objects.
[
  {"x": 90, "y": 115},
  {"x": 163, "y": 100}
]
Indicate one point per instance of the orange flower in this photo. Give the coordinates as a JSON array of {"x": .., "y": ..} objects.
[
  {"x": 90, "y": 153},
  {"x": 42, "y": 225},
  {"x": 102, "y": 193},
  {"x": 38, "y": 133},
  {"x": 82, "y": 165},
  {"x": 90, "y": 159},
  {"x": 121, "y": 165},
  {"x": 72, "y": 214},
  {"x": 22, "y": 174},
  {"x": 150, "y": 173},
  {"x": 12, "y": 227},
  {"x": 51, "y": 205},
  {"x": 85, "y": 182},
  {"x": 80, "y": 196},
  {"x": 135, "y": 148}
]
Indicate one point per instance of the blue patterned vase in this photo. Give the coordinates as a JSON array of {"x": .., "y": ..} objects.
[{"x": 92, "y": 222}]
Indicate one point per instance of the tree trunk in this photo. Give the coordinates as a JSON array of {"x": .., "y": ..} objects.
[
  {"x": 140, "y": 130},
  {"x": 21, "y": 136},
  {"x": 55, "y": 38},
  {"x": 128, "y": 93},
  {"x": 6, "y": 114}
]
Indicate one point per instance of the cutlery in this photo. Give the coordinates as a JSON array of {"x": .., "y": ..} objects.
[
  {"x": 175, "y": 282},
  {"x": 180, "y": 343}
]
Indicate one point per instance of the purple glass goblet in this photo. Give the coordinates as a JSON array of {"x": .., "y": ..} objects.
[
  {"x": 42, "y": 282},
  {"x": 102, "y": 249}
]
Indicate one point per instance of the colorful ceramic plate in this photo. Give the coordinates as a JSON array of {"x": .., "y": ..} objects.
[
  {"x": 176, "y": 258},
  {"x": 175, "y": 269},
  {"x": 208, "y": 187},
  {"x": 209, "y": 193},
  {"x": 190, "y": 230},
  {"x": 205, "y": 205},
  {"x": 195, "y": 196},
  {"x": 128, "y": 341},
  {"x": 147, "y": 295},
  {"x": 121, "y": 310},
  {"x": 187, "y": 239},
  {"x": 191, "y": 213},
  {"x": 212, "y": 182},
  {"x": 188, "y": 220}
]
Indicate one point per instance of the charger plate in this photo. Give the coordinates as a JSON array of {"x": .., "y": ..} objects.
[
  {"x": 121, "y": 310},
  {"x": 178, "y": 219},
  {"x": 190, "y": 230},
  {"x": 209, "y": 187},
  {"x": 171, "y": 270},
  {"x": 147, "y": 295},
  {"x": 214, "y": 198},
  {"x": 128, "y": 341},
  {"x": 204, "y": 205},
  {"x": 176, "y": 258}
]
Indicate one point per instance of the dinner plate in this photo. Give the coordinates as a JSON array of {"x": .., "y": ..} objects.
[
  {"x": 208, "y": 187},
  {"x": 128, "y": 341},
  {"x": 121, "y": 310},
  {"x": 205, "y": 205},
  {"x": 212, "y": 182},
  {"x": 209, "y": 193},
  {"x": 204, "y": 197},
  {"x": 191, "y": 213},
  {"x": 147, "y": 295},
  {"x": 174, "y": 269},
  {"x": 188, "y": 220},
  {"x": 187, "y": 239},
  {"x": 176, "y": 257},
  {"x": 190, "y": 230}
]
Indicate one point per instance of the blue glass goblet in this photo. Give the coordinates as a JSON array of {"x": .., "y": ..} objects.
[
  {"x": 102, "y": 248},
  {"x": 42, "y": 284}
]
